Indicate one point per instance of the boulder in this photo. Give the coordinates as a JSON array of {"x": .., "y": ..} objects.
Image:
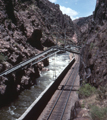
[
  {"x": 46, "y": 62},
  {"x": 2, "y": 89},
  {"x": 25, "y": 82},
  {"x": 48, "y": 42}
]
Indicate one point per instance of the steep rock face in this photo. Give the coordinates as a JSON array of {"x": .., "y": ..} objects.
[
  {"x": 55, "y": 21},
  {"x": 93, "y": 68},
  {"x": 81, "y": 27},
  {"x": 100, "y": 14},
  {"x": 26, "y": 26},
  {"x": 83, "y": 20}
]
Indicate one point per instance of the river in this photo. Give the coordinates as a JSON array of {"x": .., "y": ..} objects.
[{"x": 16, "y": 108}]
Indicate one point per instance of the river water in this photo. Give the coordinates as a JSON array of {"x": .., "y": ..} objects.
[{"x": 16, "y": 108}]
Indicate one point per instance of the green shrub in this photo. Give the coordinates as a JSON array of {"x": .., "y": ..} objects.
[
  {"x": 98, "y": 113},
  {"x": 2, "y": 58},
  {"x": 86, "y": 90}
]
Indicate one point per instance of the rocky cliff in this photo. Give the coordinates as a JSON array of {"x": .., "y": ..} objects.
[
  {"x": 57, "y": 23},
  {"x": 82, "y": 21},
  {"x": 93, "y": 68},
  {"x": 26, "y": 27}
]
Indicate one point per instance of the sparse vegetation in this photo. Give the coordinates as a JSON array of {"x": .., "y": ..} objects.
[
  {"x": 97, "y": 109},
  {"x": 83, "y": 105},
  {"x": 91, "y": 46},
  {"x": 102, "y": 92},
  {"x": 2, "y": 58},
  {"x": 98, "y": 113},
  {"x": 86, "y": 90}
]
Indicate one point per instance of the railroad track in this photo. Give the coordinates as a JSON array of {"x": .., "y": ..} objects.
[
  {"x": 35, "y": 109},
  {"x": 57, "y": 108}
]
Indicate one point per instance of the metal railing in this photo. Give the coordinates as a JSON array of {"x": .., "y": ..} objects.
[
  {"x": 49, "y": 52},
  {"x": 28, "y": 61}
]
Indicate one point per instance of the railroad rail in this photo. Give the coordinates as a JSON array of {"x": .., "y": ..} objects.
[
  {"x": 35, "y": 109},
  {"x": 58, "y": 107}
]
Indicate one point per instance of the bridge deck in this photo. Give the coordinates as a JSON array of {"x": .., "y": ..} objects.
[
  {"x": 49, "y": 52},
  {"x": 32, "y": 60}
]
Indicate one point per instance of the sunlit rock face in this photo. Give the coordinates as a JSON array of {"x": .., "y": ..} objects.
[
  {"x": 55, "y": 21},
  {"x": 82, "y": 25},
  {"x": 93, "y": 67}
]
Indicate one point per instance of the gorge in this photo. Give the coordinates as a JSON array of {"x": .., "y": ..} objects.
[{"x": 28, "y": 27}]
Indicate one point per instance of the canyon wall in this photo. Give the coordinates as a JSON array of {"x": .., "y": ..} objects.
[
  {"x": 26, "y": 28},
  {"x": 93, "y": 68}
]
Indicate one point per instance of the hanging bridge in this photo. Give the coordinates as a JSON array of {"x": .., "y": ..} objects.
[
  {"x": 60, "y": 88},
  {"x": 32, "y": 61}
]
